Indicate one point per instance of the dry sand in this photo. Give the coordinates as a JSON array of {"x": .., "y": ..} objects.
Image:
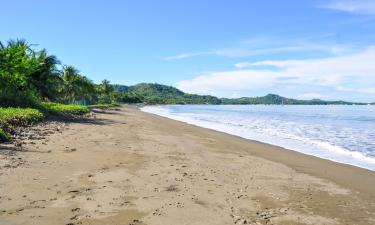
[{"x": 129, "y": 167}]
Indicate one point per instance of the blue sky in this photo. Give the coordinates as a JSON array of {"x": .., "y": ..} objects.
[{"x": 302, "y": 49}]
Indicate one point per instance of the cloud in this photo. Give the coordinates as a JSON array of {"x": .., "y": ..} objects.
[
  {"x": 329, "y": 70},
  {"x": 263, "y": 46},
  {"x": 185, "y": 55},
  {"x": 353, "y": 70},
  {"x": 357, "y": 90},
  {"x": 239, "y": 80},
  {"x": 223, "y": 52},
  {"x": 363, "y": 7},
  {"x": 242, "y": 65},
  {"x": 310, "y": 96}
]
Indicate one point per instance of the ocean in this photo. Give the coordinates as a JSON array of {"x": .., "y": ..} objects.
[{"x": 340, "y": 133}]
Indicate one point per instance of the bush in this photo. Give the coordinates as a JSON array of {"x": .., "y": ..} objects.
[
  {"x": 104, "y": 106},
  {"x": 20, "y": 116},
  {"x": 10, "y": 117},
  {"x": 3, "y": 135},
  {"x": 51, "y": 108},
  {"x": 16, "y": 116}
]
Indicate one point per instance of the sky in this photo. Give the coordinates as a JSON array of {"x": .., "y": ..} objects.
[{"x": 228, "y": 48}]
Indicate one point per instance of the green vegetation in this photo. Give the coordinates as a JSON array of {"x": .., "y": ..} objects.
[
  {"x": 162, "y": 94},
  {"x": 20, "y": 116},
  {"x": 28, "y": 76},
  {"x": 10, "y": 117},
  {"x": 3, "y": 135},
  {"x": 279, "y": 100},
  {"x": 104, "y": 105},
  {"x": 34, "y": 84},
  {"x": 128, "y": 97},
  {"x": 57, "y": 109}
]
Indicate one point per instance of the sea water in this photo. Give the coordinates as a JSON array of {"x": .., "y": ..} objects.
[{"x": 344, "y": 134}]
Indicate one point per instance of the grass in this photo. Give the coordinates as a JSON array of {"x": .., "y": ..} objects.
[
  {"x": 104, "y": 105},
  {"x": 10, "y": 117},
  {"x": 20, "y": 116},
  {"x": 4, "y": 136},
  {"x": 57, "y": 109}
]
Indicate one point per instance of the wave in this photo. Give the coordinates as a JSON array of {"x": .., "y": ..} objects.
[{"x": 304, "y": 138}]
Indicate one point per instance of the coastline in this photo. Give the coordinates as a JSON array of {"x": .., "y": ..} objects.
[
  {"x": 279, "y": 133},
  {"x": 138, "y": 168},
  {"x": 302, "y": 162}
]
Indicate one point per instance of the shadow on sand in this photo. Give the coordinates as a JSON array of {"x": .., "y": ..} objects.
[
  {"x": 82, "y": 120},
  {"x": 7, "y": 148},
  {"x": 13, "y": 145}
]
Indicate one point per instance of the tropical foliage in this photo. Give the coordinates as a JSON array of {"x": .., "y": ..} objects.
[
  {"x": 28, "y": 76},
  {"x": 34, "y": 84},
  {"x": 162, "y": 94},
  {"x": 10, "y": 117},
  {"x": 51, "y": 108},
  {"x": 16, "y": 116}
]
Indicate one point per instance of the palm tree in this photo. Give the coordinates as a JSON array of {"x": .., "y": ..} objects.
[
  {"x": 70, "y": 87},
  {"x": 75, "y": 86},
  {"x": 47, "y": 78},
  {"x": 17, "y": 63},
  {"x": 106, "y": 87},
  {"x": 87, "y": 90}
]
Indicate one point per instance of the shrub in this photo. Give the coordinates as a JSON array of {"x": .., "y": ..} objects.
[
  {"x": 20, "y": 116},
  {"x": 16, "y": 116},
  {"x": 3, "y": 135},
  {"x": 104, "y": 106},
  {"x": 58, "y": 109}
]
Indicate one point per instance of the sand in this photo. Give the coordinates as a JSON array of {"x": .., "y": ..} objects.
[{"x": 130, "y": 167}]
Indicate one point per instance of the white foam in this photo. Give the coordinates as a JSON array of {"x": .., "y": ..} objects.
[{"x": 272, "y": 131}]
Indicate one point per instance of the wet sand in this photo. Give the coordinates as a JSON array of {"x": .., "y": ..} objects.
[{"x": 130, "y": 167}]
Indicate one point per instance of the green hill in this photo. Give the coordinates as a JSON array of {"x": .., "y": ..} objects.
[
  {"x": 268, "y": 99},
  {"x": 162, "y": 94},
  {"x": 279, "y": 100}
]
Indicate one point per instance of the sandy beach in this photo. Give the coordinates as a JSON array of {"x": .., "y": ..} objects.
[{"x": 129, "y": 167}]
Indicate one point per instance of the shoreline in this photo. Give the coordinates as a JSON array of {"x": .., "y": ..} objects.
[
  {"x": 340, "y": 155},
  {"x": 317, "y": 166},
  {"x": 133, "y": 167}
]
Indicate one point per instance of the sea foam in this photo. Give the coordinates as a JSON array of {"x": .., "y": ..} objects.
[{"x": 344, "y": 134}]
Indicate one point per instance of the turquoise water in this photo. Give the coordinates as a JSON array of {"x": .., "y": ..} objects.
[{"x": 343, "y": 134}]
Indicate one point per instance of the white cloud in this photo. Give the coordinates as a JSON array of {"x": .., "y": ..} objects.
[
  {"x": 185, "y": 55},
  {"x": 310, "y": 96},
  {"x": 242, "y": 65},
  {"x": 364, "y": 7},
  {"x": 329, "y": 70},
  {"x": 223, "y": 52},
  {"x": 357, "y": 69},
  {"x": 239, "y": 80},
  {"x": 262, "y": 46},
  {"x": 357, "y": 90}
]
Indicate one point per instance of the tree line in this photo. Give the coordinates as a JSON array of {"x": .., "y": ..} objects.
[{"x": 28, "y": 76}]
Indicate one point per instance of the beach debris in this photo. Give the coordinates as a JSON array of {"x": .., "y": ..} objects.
[{"x": 172, "y": 188}]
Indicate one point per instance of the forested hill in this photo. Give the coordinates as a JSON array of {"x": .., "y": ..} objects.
[
  {"x": 279, "y": 100},
  {"x": 162, "y": 94}
]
